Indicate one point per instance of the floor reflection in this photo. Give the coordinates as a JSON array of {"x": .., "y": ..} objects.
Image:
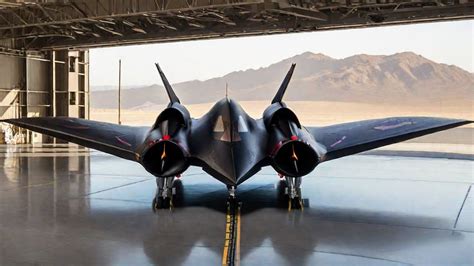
[{"x": 56, "y": 207}]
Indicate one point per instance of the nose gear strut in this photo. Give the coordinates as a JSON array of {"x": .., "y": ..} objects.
[{"x": 231, "y": 190}]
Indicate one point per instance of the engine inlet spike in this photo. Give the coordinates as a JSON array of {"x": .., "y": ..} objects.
[
  {"x": 293, "y": 156},
  {"x": 163, "y": 155},
  {"x": 296, "y": 166}
]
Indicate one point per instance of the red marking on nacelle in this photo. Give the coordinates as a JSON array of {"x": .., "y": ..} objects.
[
  {"x": 293, "y": 137},
  {"x": 275, "y": 149},
  {"x": 76, "y": 127},
  {"x": 123, "y": 141},
  {"x": 166, "y": 137},
  {"x": 338, "y": 142}
]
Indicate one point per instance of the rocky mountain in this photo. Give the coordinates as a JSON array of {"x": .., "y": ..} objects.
[{"x": 392, "y": 79}]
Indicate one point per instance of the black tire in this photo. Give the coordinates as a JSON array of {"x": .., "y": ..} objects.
[
  {"x": 296, "y": 204},
  {"x": 154, "y": 205},
  {"x": 232, "y": 202},
  {"x": 178, "y": 197},
  {"x": 282, "y": 198},
  {"x": 164, "y": 203},
  {"x": 160, "y": 203}
]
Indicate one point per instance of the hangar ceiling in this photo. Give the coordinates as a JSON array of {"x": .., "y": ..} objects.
[{"x": 27, "y": 25}]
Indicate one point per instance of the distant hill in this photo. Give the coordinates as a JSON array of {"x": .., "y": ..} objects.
[
  {"x": 112, "y": 87},
  {"x": 393, "y": 79}
]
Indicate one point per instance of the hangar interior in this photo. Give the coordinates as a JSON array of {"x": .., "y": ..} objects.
[
  {"x": 51, "y": 83},
  {"x": 44, "y": 59},
  {"x": 59, "y": 202}
]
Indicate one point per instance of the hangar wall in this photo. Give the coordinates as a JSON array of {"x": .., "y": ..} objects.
[{"x": 51, "y": 83}]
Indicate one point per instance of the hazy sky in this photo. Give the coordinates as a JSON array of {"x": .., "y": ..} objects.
[{"x": 443, "y": 42}]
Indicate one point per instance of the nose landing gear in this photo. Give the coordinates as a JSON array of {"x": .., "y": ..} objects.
[{"x": 232, "y": 199}]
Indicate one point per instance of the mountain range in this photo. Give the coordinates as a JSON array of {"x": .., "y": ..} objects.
[{"x": 402, "y": 78}]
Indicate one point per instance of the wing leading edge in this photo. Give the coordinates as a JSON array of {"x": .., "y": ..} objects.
[
  {"x": 121, "y": 141},
  {"x": 350, "y": 138}
]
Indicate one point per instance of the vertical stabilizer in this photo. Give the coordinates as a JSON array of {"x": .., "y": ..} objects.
[
  {"x": 169, "y": 89},
  {"x": 281, "y": 91}
]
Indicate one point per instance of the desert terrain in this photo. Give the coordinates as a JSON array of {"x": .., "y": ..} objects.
[
  {"x": 323, "y": 91},
  {"x": 311, "y": 113},
  {"x": 455, "y": 141}
]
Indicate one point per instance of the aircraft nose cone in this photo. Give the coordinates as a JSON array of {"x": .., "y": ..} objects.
[
  {"x": 229, "y": 143},
  {"x": 234, "y": 149},
  {"x": 226, "y": 164}
]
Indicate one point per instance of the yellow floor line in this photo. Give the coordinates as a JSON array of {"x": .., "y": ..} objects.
[
  {"x": 232, "y": 238},
  {"x": 225, "y": 252},
  {"x": 237, "y": 240}
]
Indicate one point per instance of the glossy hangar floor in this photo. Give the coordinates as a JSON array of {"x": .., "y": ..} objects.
[{"x": 66, "y": 205}]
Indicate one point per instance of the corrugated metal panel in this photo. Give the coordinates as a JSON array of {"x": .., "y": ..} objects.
[{"x": 7, "y": 43}]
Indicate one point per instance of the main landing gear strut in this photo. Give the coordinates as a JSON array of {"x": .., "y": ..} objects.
[
  {"x": 166, "y": 192},
  {"x": 290, "y": 192}
]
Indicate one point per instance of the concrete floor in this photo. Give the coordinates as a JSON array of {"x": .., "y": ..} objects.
[{"x": 68, "y": 206}]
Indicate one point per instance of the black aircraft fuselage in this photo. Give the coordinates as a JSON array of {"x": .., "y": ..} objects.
[{"x": 229, "y": 144}]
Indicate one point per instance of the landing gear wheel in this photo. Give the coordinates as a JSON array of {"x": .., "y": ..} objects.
[
  {"x": 168, "y": 189},
  {"x": 161, "y": 203},
  {"x": 177, "y": 193},
  {"x": 295, "y": 204},
  {"x": 282, "y": 193},
  {"x": 154, "y": 205},
  {"x": 231, "y": 202}
]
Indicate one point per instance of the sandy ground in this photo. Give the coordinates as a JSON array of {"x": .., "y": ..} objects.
[{"x": 310, "y": 113}]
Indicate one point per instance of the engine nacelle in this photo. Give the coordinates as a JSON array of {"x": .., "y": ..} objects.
[
  {"x": 177, "y": 116},
  {"x": 165, "y": 158},
  {"x": 279, "y": 112},
  {"x": 166, "y": 151},
  {"x": 293, "y": 151},
  {"x": 294, "y": 158}
]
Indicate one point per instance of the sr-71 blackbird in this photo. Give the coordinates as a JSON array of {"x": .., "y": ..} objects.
[{"x": 230, "y": 145}]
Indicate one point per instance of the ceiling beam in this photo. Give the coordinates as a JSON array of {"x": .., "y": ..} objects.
[{"x": 88, "y": 23}]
